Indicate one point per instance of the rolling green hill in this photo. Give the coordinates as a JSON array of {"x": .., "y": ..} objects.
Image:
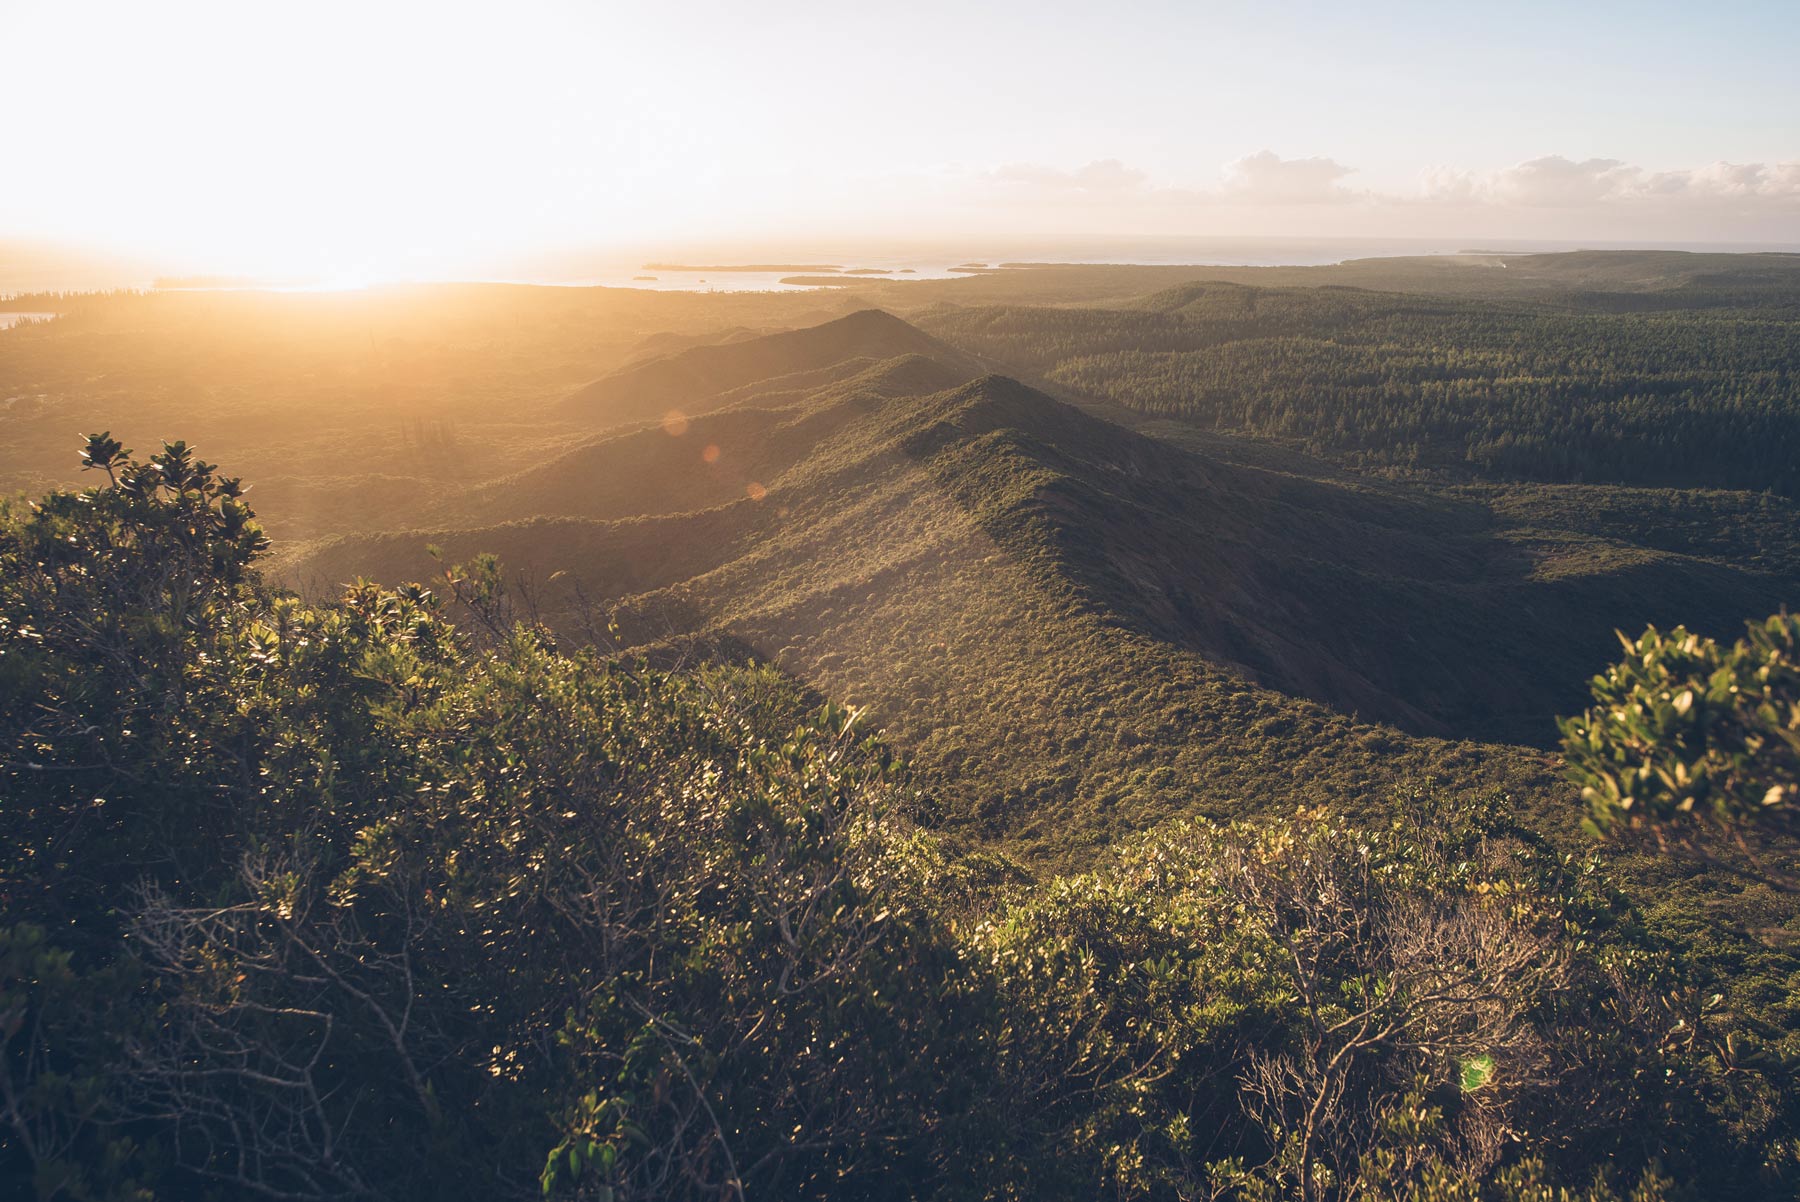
[
  {"x": 1075, "y": 627},
  {"x": 1417, "y": 494}
]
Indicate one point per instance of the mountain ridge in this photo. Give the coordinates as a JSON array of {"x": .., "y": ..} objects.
[
  {"x": 931, "y": 554},
  {"x": 690, "y": 381}
]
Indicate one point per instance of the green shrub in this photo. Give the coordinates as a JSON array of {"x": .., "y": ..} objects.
[{"x": 1685, "y": 732}]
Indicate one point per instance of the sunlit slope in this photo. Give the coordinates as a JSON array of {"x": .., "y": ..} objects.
[
  {"x": 694, "y": 379},
  {"x": 343, "y": 412},
  {"x": 755, "y": 435},
  {"x": 1097, "y": 626}
]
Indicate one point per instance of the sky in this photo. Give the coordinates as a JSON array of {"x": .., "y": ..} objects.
[{"x": 399, "y": 138}]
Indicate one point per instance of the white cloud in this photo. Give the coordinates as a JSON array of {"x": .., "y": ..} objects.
[
  {"x": 1555, "y": 180},
  {"x": 1611, "y": 185},
  {"x": 1257, "y": 179},
  {"x": 1551, "y": 196},
  {"x": 1777, "y": 183},
  {"x": 1267, "y": 178}
]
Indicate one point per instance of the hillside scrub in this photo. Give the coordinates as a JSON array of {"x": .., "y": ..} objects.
[{"x": 347, "y": 901}]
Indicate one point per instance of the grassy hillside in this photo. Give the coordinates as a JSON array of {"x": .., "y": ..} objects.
[
  {"x": 1076, "y": 628},
  {"x": 904, "y": 563}
]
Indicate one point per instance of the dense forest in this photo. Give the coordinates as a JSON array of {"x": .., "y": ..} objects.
[
  {"x": 1497, "y": 389},
  {"x": 1082, "y": 732}
]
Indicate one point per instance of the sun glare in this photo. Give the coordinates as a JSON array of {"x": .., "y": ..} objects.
[
  {"x": 363, "y": 142},
  {"x": 342, "y": 283}
]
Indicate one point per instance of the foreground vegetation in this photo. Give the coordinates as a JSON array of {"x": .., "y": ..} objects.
[{"x": 343, "y": 900}]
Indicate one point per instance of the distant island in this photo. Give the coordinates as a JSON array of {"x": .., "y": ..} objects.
[
  {"x": 871, "y": 271},
  {"x": 832, "y": 281},
  {"x": 744, "y": 267},
  {"x": 644, "y": 277}
]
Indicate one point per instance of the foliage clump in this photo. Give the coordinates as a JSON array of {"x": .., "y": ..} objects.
[
  {"x": 1686, "y": 730},
  {"x": 335, "y": 901}
]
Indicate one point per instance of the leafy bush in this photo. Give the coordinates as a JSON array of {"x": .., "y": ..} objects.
[
  {"x": 327, "y": 901},
  {"x": 1306, "y": 1009},
  {"x": 1687, "y": 732}
]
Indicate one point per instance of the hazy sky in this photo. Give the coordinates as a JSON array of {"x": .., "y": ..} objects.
[{"x": 406, "y": 137}]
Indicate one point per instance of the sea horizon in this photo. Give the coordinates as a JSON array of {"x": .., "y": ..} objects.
[{"x": 26, "y": 269}]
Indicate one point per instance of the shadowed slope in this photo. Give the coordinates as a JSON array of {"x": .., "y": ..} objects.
[{"x": 1410, "y": 609}]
